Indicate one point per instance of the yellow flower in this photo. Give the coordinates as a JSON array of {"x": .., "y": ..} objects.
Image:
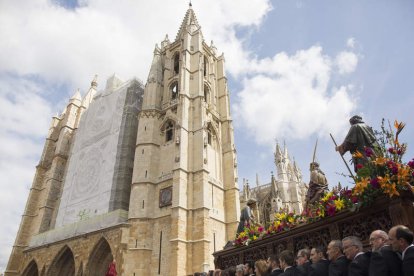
[
  {"x": 254, "y": 238},
  {"x": 291, "y": 219},
  {"x": 322, "y": 213},
  {"x": 327, "y": 196},
  {"x": 242, "y": 234},
  {"x": 361, "y": 185},
  {"x": 357, "y": 154},
  {"x": 380, "y": 161},
  {"x": 383, "y": 181},
  {"x": 280, "y": 216},
  {"x": 391, "y": 190},
  {"x": 339, "y": 204},
  {"x": 403, "y": 173}
]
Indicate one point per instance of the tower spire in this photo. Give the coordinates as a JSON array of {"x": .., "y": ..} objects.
[
  {"x": 189, "y": 20},
  {"x": 91, "y": 92}
]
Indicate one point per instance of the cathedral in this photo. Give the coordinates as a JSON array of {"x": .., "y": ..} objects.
[
  {"x": 144, "y": 177},
  {"x": 285, "y": 192}
]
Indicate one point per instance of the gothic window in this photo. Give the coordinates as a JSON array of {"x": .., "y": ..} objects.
[
  {"x": 169, "y": 131},
  {"x": 174, "y": 90},
  {"x": 206, "y": 94},
  {"x": 210, "y": 135},
  {"x": 205, "y": 66},
  {"x": 176, "y": 63}
]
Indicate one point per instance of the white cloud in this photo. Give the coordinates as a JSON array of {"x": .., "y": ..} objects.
[
  {"x": 289, "y": 97},
  {"x": 24, "y": 121},
  {"x": 351, "y": 42},
  {"x": 346, "y": 62}
]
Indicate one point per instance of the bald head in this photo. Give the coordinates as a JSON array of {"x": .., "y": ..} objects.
[{"x": 400, "y": 237}]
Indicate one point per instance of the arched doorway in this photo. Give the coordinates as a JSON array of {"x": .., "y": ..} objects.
[
  {"x": 100, "y": 258},
  {"x": 63, "y": 264},
  {"x": 31, "y": 269}
]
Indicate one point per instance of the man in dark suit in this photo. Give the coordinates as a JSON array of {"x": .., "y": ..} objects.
[
  {"x": 249, "y": 268},
  {"x": 287, "y": 260},
  {"x": 302, "y": 260},
  {"x": 359, "y": 265},
  {"x": 401, "y": 239},
  {"x": 339, "y": 263},
  {"x": 320, "y": 265},
  {"x": 274, "y": 265},
  {"x": 384, "y": 261}
]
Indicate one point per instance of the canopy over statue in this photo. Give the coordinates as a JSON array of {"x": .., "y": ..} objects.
[{"x": 358, "y": 138}]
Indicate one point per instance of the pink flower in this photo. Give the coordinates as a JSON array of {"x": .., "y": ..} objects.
[
  {"x": 411, "y": 164},
  {"x": 391, "y": 150},
  {"x": 360, "y": 166},
  {"x": 354, "y": 199},
  {"x": 334, "y": 197},
  {"x": 368, "y": 151},
  {"x": 331, "y": 210},
  {"x": 374, "y": 183}
]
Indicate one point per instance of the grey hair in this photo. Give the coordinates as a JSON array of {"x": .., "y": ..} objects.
[
  {"x": 337, "y": 244},
  {"x": 239, "y": 267},
  {"x": 355, "y": 241},
  {"x": 382, "y": 234},
  {"x": 305, "y": 252}
]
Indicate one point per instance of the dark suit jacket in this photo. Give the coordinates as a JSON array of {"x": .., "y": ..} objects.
[
  {"x": 305, "y": 269},
  {"x": 321, "y": 268},
  {"x": 291, "y": 271},
  {"x": 408, "y": 262},
  {"x": 339, "y": 267},
  {"x": 276, "y": 272},
  {"x": 385, "y": 262},
  {"x": 360, "y": 265}
]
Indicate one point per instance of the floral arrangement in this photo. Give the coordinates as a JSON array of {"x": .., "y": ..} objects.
[
  {"x": 284, "y": 221},
  {"x": 381, "y": 173},
  {"x": 384, "y": 173},
  {"x": 331, "y": 203},
  {"x": 250, "y": 233}
]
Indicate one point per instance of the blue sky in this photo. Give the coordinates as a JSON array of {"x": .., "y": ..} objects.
[{"x": 297, "y": 71}]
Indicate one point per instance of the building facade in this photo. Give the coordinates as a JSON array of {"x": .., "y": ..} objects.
[
  {"x": 286, "y": 191},
  {"x": 145, "y": 176}
]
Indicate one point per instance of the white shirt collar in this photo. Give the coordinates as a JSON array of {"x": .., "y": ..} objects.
[
  {"x": 359, "y": 253},
  {"x": 286, "y": 268}
]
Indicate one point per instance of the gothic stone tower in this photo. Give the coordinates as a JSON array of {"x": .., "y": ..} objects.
[
  {"x": 150, "y": 182},
  {"x": 289, "y": 182},
  {"x": 184, "y": 201}
]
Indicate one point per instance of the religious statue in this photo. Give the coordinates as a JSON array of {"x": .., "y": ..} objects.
[
  {"x": 246, "y": 216},
  {"x": 358, "y": 138},
  {"x": 317, "y": 184}
]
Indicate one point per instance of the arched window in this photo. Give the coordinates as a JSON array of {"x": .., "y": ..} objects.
[
  {"x": 174, "y": 90},
  {"x": 206, "y": 94},
  {"x": 210, "y": 135},
  {"x": 205, "y": 65},
  {"x": 176, "y": 63},
  {"x": 169, "y": 131}
]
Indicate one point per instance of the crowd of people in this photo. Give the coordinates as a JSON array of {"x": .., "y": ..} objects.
[{"x": 391, "y": 254}]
